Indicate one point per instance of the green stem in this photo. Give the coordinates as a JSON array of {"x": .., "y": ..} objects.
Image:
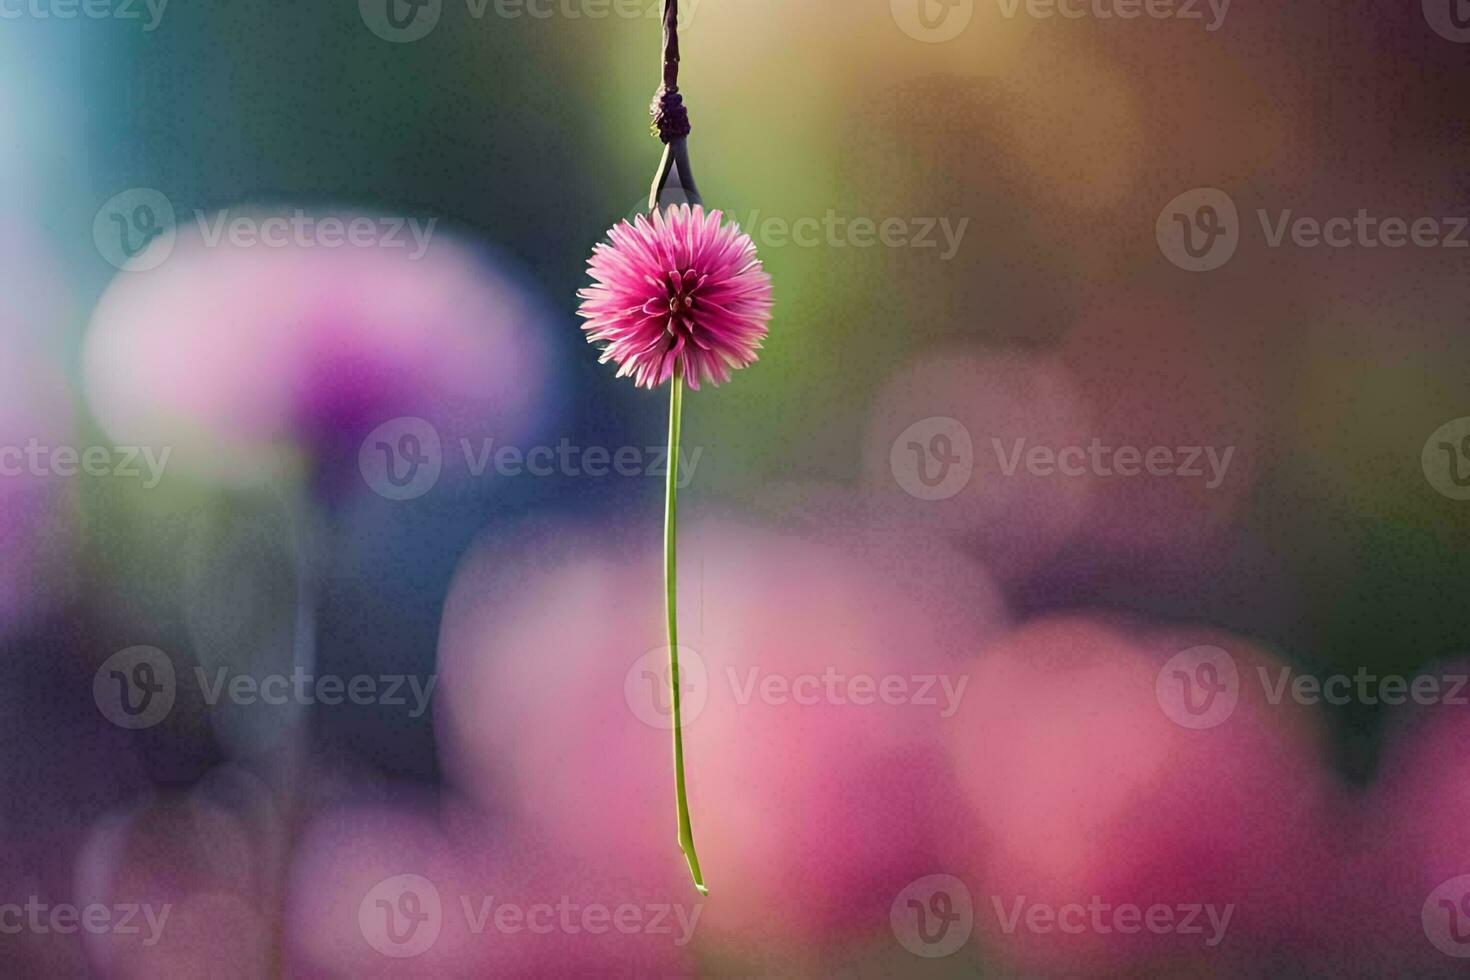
[{"x": 686, "y": 831}]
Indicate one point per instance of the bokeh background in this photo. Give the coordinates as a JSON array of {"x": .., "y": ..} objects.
[{"x": 954, "y": 716}]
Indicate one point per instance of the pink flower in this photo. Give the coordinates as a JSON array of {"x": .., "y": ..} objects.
[
  {"x": 679, "y": 289},
  {"x": 242, "y": 357}
]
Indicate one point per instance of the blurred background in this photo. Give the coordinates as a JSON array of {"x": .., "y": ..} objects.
[{"x": 1075, "y": 587}]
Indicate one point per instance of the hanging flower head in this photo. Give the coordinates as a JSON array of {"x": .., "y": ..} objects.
[
  {"x": 677, "y": 289},
  {"x": 678, "y": 296}
]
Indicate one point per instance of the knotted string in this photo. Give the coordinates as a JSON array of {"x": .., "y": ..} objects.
[{"x": 671, "y": 116}]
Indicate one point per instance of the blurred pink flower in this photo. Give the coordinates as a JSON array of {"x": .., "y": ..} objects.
[
  {"x": 418, "y": 890},
  {"x": 678, "y": 289},
  {"x": 1160, "y": 376},
  {"x": 818, "y": 800},
  {"x": 201, "y": 866},
  {"x": 1405, "y": 891},
  {"x": 235, "y": 353},
  {"x": 964, "y": 607},
  {"x": 1086, "y": 783},
  {"x": 958, "y": 415}
]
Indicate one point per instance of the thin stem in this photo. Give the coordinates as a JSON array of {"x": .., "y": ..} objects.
[
  {"x": 675, "y": 159},
  {"x": 660, "y": 178},
  {"x": 680, "y": 150},
  {"x": 686, "y": 831}
]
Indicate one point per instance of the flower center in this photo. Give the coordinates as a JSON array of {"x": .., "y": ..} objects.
[{"x": 681, "y": 292}]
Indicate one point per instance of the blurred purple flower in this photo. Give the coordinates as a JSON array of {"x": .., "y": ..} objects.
[
  {"x": 231, "y": 353},
  {"x": 35, "y": 417}
]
